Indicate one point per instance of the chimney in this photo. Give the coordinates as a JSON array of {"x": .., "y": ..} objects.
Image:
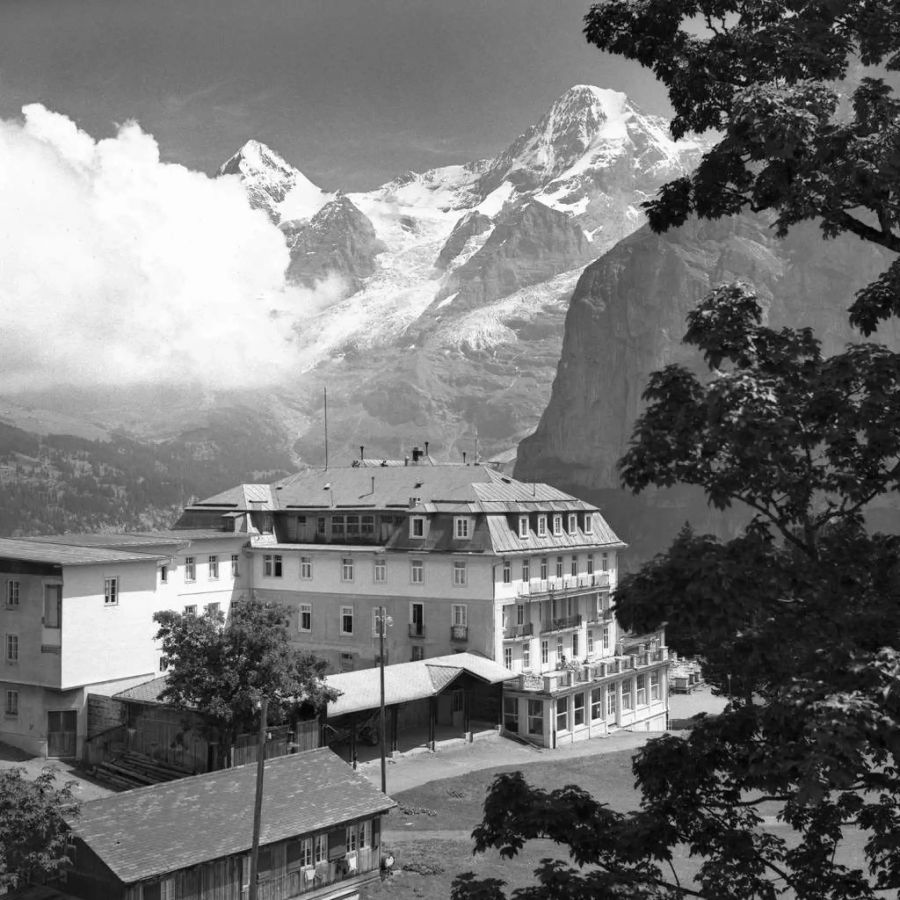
[
  {"x": 426, "y": 448},
  {"x": 464, "y": 457},
  {"x": 373, "y": 484},
  {"x": 362, "y": 455},
  {"x": 416, "y": 455}
]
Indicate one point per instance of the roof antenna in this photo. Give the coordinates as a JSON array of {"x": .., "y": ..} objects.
[{"x": 325, "y": 393}]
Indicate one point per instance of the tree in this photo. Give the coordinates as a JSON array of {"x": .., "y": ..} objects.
[
  {"x": 32, "y": 827},
  {"x": 796, "y": 620},
  {"x": 222, "y": 669}
]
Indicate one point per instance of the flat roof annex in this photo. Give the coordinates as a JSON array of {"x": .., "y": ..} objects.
[
  {"x": 151, "y": 831},
  {"x": 33, "y": 551}
]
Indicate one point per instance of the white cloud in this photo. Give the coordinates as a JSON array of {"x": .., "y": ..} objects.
[{"x": 116, "y": 268}]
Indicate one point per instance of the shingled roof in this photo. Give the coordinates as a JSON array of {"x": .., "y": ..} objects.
[{"x": 154, "y": 830}]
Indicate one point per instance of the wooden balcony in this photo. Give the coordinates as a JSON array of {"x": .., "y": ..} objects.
[
  {"x": 567, "y": 585},
  {"x": 564, "y": 623},
  {"x": 359, "y": 865},
  {"x": 518, "y": 632}
]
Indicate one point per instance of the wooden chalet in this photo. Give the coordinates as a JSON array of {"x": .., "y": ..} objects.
[{"x": 190, "y": 839}]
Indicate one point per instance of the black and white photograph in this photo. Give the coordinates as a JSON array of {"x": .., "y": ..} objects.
[{"x": 449, "y": 449}]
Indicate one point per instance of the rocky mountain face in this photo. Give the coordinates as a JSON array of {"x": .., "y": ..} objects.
[
  {"x": 455, "y": 281},
  {"x": 627, "y": 318}
]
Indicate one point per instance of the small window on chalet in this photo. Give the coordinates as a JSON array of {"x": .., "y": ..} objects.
[
  {"x": 573, "y": 523},
  {"x": 542, "y": 526},
  {"x": 557, "y": 523},
  {"x": 523, "y": 526},
  {"x": 417, "y": 527},
  {"x": 588, "y": 523},
  {"x": 461, "y": 527}
]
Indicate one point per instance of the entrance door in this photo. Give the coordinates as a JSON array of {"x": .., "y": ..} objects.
[
  {"x": 457, "y": 706},
  {"x": 61, "y": 730}
]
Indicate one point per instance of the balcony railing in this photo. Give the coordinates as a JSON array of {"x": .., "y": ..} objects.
[
  {"x": 568, "y": 583},
  {"x": 311, "y": 878},
  {"x": 562, "y": 624},
  {"x": 518, "y": 632},
  {"x": 416, "y": 630},
  {"x": 459, "y": 632}
]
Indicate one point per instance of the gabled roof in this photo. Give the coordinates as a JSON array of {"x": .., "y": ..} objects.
[
  {"x": 242, "y": 496},
  {"x": 35, "y": 551},
  {"x": 145, "y": 692},
  {"x": 150, "y": 831},
  {"x": 134, "y": 540},
  {"x": 404, "y": 682},
  {"x": 505, "y": 538}
]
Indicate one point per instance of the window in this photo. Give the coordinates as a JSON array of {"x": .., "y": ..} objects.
[
  {"x": 523, "y": 526},
  {"x": 526, "y": 570},
  {"x": 320, "y": 526},
  {"x": 337, "y": 526},
  {"x": 52, "y": 605},
  {"x": 557, "y": 523},
  {"x": 526, "y": 656},
  {"x": 110, "y": 591},
  {"x": 560, "y": 650},
  {"x": 590, "y": 642},
  {"x": 12, "y": 648},
  {"x": 535, "y": 717},
  {"x": 306, "y": 567},
  {"x": 461, "y": 527},
  {"x": 578, "y": 709},
  {"x": 417, "y": 527},
  {"x": 597, "y": 703},
  {"x": 416, "y": 571},
  {"x": 562, "y": 714},
  {"x": 507, "y": 572},
  {"x": 351, "y": 838},
  {"x": 235, "y": 558},
  {"x": 347, "y": 568},
  {"x": 573, "y": 523},
  {"x": 520, "y": 614},
  {"x": 626, "y": 694},
  {"x": 416, "y": 619},
  {"x": 267, "y": 565},
  {"x": 352, "y": 526},
  {"x": 588, "y": 523},
  {"x": 575, "y": 647},
  {"x": 417, "y": 652},
  {"x": 272, "y": 565},
  {"x": 573, "y": 566},
  {"x": 12, "y": 704},
  {"x": 606, "y": 637},
  {"x": 376, "y": 622},
  {"x": 365, "y": 834},
  {"x": 511, "y": 714},
  {"x": 212, "y": 609},
  {"x": 299, "y": 853},
  {"x": 507, "y": 657},
  {"x": 559, "y": 567},
  {"x": 163, "y": 574},
  {"x": 12, "y": 594},
  {"x": 162, "y": 664},
  {"x": 543, "y": 568},
  {"x": 641, "y": 690},
  {"x": 320, "y": 848},
  {"x": 214, "y": 568},
  {"x": 545, "y": 652},
  {"x": 542, "y": 526},
  {"x": 654, "y": 685},
  {"x": 590, "y": 563},
  {"x": 367, "y": 526},
  {"x": 190, "y": 609},
  {"x": 604, "y": 562},
  {"x": 380, "y": 571},
  {"x": 459, "y": 573},
  {"x": 610, "y": 701},
  {"x": 346, "y": 620},
  {"x": 459, "y": 614},
  {"x": 190, "y": 568}
]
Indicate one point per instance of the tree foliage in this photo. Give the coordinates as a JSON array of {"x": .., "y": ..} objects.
[
  {"x": 796, "y": 620},
  {"x": 32, "y": 828},
  {"x": 223, "y": 669}
]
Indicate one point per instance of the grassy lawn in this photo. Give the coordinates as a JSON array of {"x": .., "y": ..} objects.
[{"x": 429, "y": 833}]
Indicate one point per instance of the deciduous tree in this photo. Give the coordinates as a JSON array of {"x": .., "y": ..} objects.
[
  {"x": 222, "y": 669},
  {"x": 32, "y": 828}
]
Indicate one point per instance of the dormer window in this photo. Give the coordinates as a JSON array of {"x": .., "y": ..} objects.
[
  {"x": 542, "y": 525},
  {"x": 573, "y": 523},
  {"x": 523, "y": 526},
  {"x": 461, "y": 527},
  {"x": 417, "y": 527},
  {"x": 557, "y": 524},
  {"x": 588, "y": 523}
]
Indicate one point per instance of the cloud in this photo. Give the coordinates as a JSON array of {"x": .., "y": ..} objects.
[{"x": 116, "y": 268}]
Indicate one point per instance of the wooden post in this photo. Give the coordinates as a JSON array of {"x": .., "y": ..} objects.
[
  {"x": 353, "y": 740},
  {"x": 395, "y": 714},
  {"x": 381, "y": 728},
  {"x": 257, "y": 806},
  {"x": 432, "y": 717},
  {"x": 467, "y": 719}
]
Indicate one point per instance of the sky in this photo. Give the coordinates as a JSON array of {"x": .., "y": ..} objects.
[
  {"x": 125, "y": 262},
  {"x": 352, "y": 92}
]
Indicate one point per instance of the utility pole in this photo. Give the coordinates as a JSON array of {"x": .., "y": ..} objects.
[
  {"x": 257, "y": 806},
  {"x": 381, "y": 626}
]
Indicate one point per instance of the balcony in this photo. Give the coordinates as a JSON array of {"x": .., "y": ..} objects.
[
  {"x": 569, "y": 584},
  {"x": 416, "y": 630},
  {"x": 459, "y": 632},
  {"x": 518, "y": 632},
  {"x": 561, "y": 624},
  {"x": 304, "y": 880}
]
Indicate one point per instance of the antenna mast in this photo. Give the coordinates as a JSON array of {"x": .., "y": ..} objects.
[{"x": 325, "y": 393}]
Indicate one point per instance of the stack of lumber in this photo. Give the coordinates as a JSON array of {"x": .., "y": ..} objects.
[{"x": 131, "y": 770}]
